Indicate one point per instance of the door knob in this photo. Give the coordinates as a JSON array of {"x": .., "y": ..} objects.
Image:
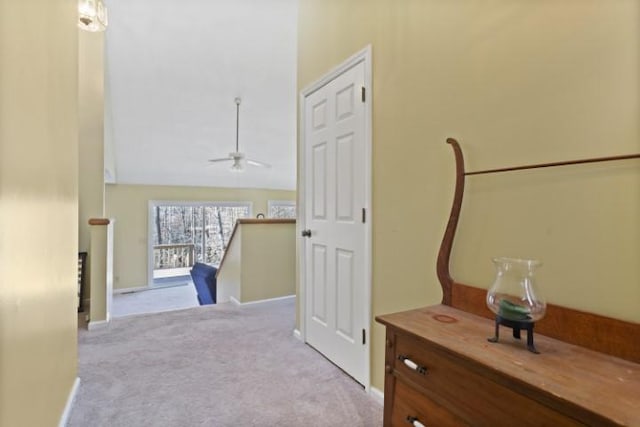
[{"x": 306, "y": 233}]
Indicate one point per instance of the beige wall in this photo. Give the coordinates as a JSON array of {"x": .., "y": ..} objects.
[
  {"x": 38, "y": 209},
  {"x": 90, "y": 140},
  {"x": 260, "y": 263},
  {"x": 101, "y": 273},
  {"x": 268, "y": 261},
  {"x": 516, "y": 82},
  {"x": 229, "y": 275},
  {"x": 128, "y": 205},
  {"x": 91, "y": 132}
]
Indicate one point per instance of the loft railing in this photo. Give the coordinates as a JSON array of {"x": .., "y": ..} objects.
[{"x": 173, "y": 256}]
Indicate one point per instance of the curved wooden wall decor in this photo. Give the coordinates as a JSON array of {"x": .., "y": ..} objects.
[
  {"x": 600, "y": 333},
  {"x": 444, "y": 254}
]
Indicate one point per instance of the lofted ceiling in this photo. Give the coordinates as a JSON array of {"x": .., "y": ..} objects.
[{"x": 173, "y": 69}]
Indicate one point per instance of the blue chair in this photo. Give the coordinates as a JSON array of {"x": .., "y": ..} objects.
[{"x": 204, "y": 279}]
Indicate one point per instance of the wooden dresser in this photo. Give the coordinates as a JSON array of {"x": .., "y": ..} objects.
[{"x": 442, "y": 371}]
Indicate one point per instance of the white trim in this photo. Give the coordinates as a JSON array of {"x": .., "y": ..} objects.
[
  {"x": 152, "y": 204},
  {"x": 222, "y": 300},
  {"x": 377, "y": 395},
  {"x": 364, "y": 56},
  {"x": 261, "y": 301},
  {"x": 368, "y": 179},
  {"x": 356, "y": 58},
  {"x": 131, "y": 290},
  {"x": 152, "y": 288},
  {"x": 64, "y": 419},
  {"x": 97, "y": 324},
  {"x": 297, "y": 335}
]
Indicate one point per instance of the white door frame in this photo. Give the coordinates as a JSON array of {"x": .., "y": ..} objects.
[{"x": 363, "y": 56}]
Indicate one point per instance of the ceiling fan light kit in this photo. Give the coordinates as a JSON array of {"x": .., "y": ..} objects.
[
  {"x": 238, "y": 162},
  {"x": 238, "y": 159}
]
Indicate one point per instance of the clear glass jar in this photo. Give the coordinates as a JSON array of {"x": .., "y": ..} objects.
[{"x": 513, "y": 295}]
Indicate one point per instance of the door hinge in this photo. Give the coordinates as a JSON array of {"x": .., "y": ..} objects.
[
  {"x": 364, "y": 215},
  {"x": 364, "y": 337},
  {"x": 363, "y": 94}
]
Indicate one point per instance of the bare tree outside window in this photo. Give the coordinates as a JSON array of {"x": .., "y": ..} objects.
[
  {"x": 282, "y": 209},
  {"x": 184, "y": 234}
]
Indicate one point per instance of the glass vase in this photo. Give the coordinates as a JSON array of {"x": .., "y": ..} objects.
[{"x": 513, "y": 295}]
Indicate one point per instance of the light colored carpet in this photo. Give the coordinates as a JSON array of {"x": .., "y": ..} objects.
[
  {"x": 155, "y": 300},
  {"x": 213, "y": 366}
]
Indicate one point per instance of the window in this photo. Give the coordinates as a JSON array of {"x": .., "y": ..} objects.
[
  {"x": 282, "y": 209},
  {"x": 184, "y": 233}
]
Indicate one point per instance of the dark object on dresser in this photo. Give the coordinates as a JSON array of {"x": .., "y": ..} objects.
[{"x": 204, "y": 279}]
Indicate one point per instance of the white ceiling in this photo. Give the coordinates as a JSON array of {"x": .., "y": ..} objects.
[{"x": 173, "y": 69}]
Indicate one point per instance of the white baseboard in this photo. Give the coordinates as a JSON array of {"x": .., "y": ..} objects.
[
  {"x": 377, "y": 395},
  {"x": 297, "y": 335},
  {"x": 131, "y": 290},
  {"x": 262, "y": 301},
  {"x": 97, "y": 324},
  {"x": 64, "y": 419}
]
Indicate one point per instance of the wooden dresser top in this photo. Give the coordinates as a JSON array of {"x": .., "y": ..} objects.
[{"x": 603, "y": 384}]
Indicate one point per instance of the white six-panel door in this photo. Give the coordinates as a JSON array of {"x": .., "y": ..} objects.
[{"x": 334, "y": 199}]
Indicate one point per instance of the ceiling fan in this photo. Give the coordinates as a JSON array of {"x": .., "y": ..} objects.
[{"x": 238, "y": 158}]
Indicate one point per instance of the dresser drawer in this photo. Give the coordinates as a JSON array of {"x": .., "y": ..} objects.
[
  {"x": 410, "y": 405},
  {"x": 471, "y": 396}
]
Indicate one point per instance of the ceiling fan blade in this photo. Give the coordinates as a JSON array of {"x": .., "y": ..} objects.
[
  {"x": 257, "y": 163},
  {"x": 238, "y": 158}
]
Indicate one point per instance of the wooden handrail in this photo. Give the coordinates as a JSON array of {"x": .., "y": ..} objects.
[{"x": 266, "y": 221}]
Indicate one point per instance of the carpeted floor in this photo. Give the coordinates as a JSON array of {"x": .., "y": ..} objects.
[
  {"x": 155, "y": 300},
  {"x": 213, "y": 366}
]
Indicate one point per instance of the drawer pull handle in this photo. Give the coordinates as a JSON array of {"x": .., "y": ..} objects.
[
  {"x": 412, "y": 365},
  {"x": 414, "y": 421}
]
